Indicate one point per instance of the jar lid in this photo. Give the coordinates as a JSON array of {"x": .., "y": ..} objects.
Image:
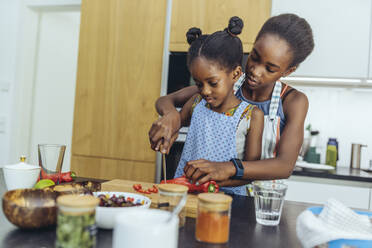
[
  {"x": 215, "y": 198},
  {"x": 77, "y": 201},
  {"x": 215, "y": 201},
  {"x": 22, "y": 165},
  {"x": 171, "y": 187}
]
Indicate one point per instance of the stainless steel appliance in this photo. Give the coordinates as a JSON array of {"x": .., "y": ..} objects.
[{"x": 356, "y": 150}]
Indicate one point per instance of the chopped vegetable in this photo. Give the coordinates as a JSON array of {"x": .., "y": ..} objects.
[
  {"x": 138, "y": 188},
  {"x": 211, "y": 186}
]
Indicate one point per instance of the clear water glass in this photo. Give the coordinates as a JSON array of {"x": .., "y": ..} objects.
[
  {"x": 51, "y": 159},
  {"x": 268, "y": 201}
]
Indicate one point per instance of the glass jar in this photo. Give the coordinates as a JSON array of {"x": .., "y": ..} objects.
[
  {"x": 169, "y": 197},
  {"x": 76, "y": 221},
  {"x": 213, "y": 218}
]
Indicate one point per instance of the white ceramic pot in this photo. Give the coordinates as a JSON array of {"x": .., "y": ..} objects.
[
  {"x": 143, "y": 228},
  {"x": 21, "y": 176}
]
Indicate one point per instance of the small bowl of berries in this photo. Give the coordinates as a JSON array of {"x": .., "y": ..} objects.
[{"x": 113, "y": 203}]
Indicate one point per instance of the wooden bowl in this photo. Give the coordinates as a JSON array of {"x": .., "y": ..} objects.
[{"x": 30, "y": 208}]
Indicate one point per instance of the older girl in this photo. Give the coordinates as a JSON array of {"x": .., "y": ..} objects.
[{"x": 282, "y": 44}]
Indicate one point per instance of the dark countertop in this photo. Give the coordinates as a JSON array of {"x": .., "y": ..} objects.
[
  {"x": 341, "y": 173},
  {"x": 244, "y": 231}
]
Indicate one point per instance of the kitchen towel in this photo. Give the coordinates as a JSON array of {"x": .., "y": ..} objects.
[{"x": 335, "y": 221}]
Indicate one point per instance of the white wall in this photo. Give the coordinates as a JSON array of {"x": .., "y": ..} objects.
[
  {"x": 49, "y": 31},
  {"x": 344, "y": 114},
  {"x": 55, "y": 81},
  {"x": 8, "y": 43}
]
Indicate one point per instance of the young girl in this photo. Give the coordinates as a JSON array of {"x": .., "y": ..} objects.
[
  {"x": 222, "y": 126},
  {"x": 282, "y": 44}
]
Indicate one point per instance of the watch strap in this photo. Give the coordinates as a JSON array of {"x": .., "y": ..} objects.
[{"x": 239, "y": 168}]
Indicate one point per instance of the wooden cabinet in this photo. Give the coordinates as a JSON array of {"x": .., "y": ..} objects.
[
  {"x": 118, "y": 81},
  {"x": 213, "y": 15}
]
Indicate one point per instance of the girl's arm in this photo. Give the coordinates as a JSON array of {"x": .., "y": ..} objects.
[
  {"x": 186, "y": 112},
  {"x": 164, "y": 131},
  {"x": 253, "y": 139},
  {"x": 295, "y": 110}
]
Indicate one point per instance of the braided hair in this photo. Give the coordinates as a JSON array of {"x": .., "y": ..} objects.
[{"x": 222, "y": 47}]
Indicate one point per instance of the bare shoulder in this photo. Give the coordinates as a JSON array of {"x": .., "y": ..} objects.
[
  {"x": 295, "y": 104},
  {"x": 257, "y": 113}
]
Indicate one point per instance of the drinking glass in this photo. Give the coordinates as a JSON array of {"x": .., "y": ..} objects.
[
  {"x": 268, "y": 201},
  {"x": 51, "y": 160}
]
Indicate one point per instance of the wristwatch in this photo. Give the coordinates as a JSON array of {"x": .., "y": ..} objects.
[{"x": 239, "y": 168}]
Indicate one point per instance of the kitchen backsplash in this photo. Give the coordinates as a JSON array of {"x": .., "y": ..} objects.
[{"x": 344, "y": 114}]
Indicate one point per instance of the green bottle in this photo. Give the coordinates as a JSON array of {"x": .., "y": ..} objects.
[{"x": 332, "y": 152}]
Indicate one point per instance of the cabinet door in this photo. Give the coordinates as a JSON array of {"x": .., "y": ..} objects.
[
  {"x": 213, "y": 15},
  {"x": 318, "y": 193},
  {"x": 341, "y": 31},
  {"x": 118, "y": 78}
]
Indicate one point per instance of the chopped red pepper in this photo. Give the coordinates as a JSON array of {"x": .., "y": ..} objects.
[
  {"x": 61, "y": 177},
  {"x": 210, "y": 186},
  {"x": 136, "y": 187},
  {"x": 155, "y": 189}
]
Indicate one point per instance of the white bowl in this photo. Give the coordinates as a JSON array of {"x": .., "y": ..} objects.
[
  {"x": 105, "y": 216},
  {"x": 21, "y": 176}
]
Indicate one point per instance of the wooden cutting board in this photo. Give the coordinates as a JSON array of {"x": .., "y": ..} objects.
[{"x": 127, "y": 186}]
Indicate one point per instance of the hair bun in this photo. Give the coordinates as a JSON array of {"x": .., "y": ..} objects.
[
  {"x": 193, "y": 34},
  {"x": 235, "y": 25}
]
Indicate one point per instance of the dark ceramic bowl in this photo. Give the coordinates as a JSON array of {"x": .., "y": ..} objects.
[{"x": 30, "y": 208}]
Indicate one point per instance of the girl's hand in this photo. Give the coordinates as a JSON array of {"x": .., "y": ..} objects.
[
  {"x": 201, "y": 171},
  {"x": 164, "y": 131}
]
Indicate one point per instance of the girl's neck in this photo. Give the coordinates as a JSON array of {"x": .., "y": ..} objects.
[
  {"x": 231, "y": 102},
  {"x": 259, "y": 95}
]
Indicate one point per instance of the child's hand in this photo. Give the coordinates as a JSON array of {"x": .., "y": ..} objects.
[
  {"x": 164, "y": 132},
  {"x": 201, "y": 171}
]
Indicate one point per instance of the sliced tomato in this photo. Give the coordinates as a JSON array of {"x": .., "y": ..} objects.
[{"x": 137, "y": 187}]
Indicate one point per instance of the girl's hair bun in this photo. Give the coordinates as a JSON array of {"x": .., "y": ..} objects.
[
  {"x": 235, "y": 25},
  {"x": 193, "y": 34}
]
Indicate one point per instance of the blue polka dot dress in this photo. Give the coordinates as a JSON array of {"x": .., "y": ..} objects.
[{"x": 212, "y": 136}]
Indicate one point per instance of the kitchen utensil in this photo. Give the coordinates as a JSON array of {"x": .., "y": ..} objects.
[
  {"x": 51, "y": 159},
  {"x": 105, "y": 216},
  {"x": 30, "y": 208},
  {"x": 164, "y": 169},
  {"x": 356, "y": 150},
  {"x": 178, "y": 208},
  {"x": 21, "y": 175}
]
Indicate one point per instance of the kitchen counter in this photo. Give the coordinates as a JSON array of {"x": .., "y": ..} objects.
[
  {"x": 340, "y": 173},
  {"x": 244, "y": 231}
]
